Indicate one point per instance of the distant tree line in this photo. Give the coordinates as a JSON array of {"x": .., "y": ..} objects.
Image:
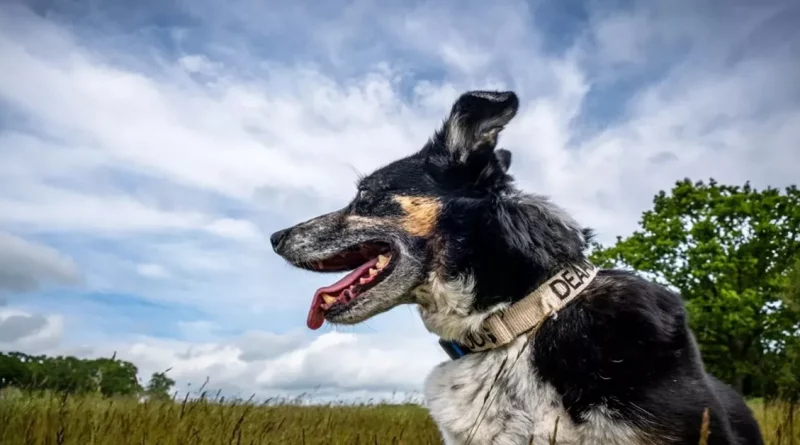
[{"x": 107, "y": 376}]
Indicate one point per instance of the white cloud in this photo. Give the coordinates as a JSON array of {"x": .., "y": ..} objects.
[
  {"x": 25, "y": 266},
  {"x": 268, "y": 364},
  {"x": 230, "y": 138},
  {"x": 613, "y": 35},
  {"x": 199, "y": 63},
  {"x": 150, "y": 270},
  {"x": 29, "y": 332},
  {"x": 350, "y": 361},
  {"x": 252, "y": 344},
  {"x": 234, "y": 229},
  {"x": 16, "y": 327}
]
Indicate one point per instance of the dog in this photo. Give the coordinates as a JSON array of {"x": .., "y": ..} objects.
[{"x": 545, "y": 348}]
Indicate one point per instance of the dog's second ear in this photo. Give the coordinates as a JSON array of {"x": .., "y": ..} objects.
[
  {"x": 503, "y": 158},
  {"x": 475, "y": 121}
]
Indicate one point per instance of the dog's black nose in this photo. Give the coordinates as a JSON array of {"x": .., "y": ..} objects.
[{"x": 277, "y": 238}]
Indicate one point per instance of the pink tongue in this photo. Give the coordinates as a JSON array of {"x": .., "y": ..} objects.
[{"x": 315, "y": 314}]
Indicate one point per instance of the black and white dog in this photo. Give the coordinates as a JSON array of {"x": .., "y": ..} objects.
[{"x": 546, "y": 348}]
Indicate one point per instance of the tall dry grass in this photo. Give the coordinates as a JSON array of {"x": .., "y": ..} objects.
[
  {"x": 780, "y": 422},
  {"x": 44, "y": 419},
  {"x": 92, "y": 420}
]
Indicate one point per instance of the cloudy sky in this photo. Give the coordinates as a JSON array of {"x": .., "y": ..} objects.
[{"x": 148, "y": 151}]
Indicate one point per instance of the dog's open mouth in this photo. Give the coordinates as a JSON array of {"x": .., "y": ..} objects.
[{"x": 369, "y": 263}]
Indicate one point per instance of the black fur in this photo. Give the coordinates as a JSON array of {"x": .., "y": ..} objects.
[{"x": 624, "y": 345}]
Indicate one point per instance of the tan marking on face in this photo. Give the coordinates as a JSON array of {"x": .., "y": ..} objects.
[{"x": 421, "y": 214}]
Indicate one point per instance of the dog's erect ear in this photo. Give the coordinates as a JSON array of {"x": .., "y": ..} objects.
[
  {"x": 462, "y": 154},
  {"x": 503, "y": 158},
  {"x": 475, "y": 120}
]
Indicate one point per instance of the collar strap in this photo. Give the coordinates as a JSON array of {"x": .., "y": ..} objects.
[{"x": 504, "y": 326}]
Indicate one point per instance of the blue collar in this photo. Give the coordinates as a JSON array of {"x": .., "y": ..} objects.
[{"x": 453, "y": 349}]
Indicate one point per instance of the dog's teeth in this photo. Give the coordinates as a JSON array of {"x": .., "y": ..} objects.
[
  {"x": 364, "y": 280},
  {"x": 329, "y": 299},
  {"x": 373, "y": 272},
  {"x": 383, "y": 260}
]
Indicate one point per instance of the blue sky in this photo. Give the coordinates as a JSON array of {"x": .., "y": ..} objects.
[{"x": 147, "y": 152}]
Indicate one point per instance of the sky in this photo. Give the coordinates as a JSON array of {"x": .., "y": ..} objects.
[{"x": 147, "y": 152}]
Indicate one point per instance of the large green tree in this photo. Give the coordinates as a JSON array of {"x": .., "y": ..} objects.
[{"x": 727, "y": 249}]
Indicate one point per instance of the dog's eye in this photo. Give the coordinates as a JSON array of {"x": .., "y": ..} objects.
[{"x": 362, "y": 194}]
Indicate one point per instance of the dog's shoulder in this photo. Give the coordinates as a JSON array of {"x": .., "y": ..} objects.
[
  {"x": 618, "y": 320},
  {"x": 620, "y": 315},
  {"x": 631, "y": 309},
  {"x": 625, "y": 347}
]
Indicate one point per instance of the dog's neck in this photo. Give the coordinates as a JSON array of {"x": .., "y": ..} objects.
[
  {"x": 490, "y": 264},
  {"x": 508, "y": 255},
  {"x": 462, "y": 333}
]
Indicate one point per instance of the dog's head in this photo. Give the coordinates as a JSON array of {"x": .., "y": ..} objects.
[{"x": 443, "y": 228}]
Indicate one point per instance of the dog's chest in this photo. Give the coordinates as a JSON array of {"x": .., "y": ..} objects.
[{"x": 520, "y": 409}]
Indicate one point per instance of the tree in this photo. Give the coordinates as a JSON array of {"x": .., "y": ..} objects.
[
  {"x": 727, "y": 250},
  {"x": 13, "y": 372},
  {"x": 160, "y": 385},
  {"x": 115, "y": 377},
  {"x": 68, "y": 374},
  {"x": 784, "y": 354}
]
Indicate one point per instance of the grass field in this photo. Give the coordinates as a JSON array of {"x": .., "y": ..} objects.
[{"x": 92, "y": 420}]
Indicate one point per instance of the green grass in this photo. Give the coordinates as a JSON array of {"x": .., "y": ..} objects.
[{"x": 93, "y": 420}]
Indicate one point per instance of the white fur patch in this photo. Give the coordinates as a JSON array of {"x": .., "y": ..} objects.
[
  {"x": 445, "y": 307},
  {"x": 522, "y": 409},
  {"x": 457, "y": 137}
]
